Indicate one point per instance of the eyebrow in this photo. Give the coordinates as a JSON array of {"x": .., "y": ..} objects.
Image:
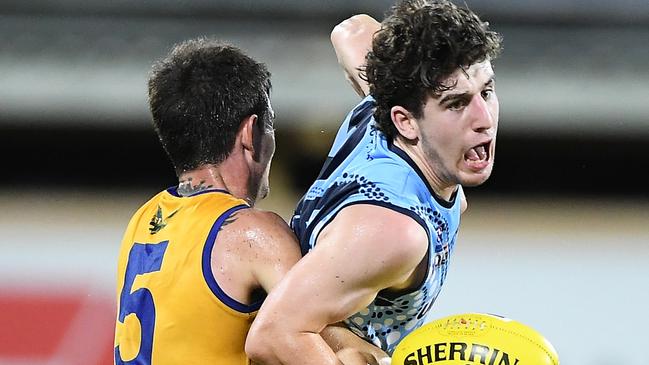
[{"x": 457, "y": 96}]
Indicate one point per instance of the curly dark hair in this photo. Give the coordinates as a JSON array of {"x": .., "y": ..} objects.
[
  {"x": 419, "y": 45},
  {"x": 198, "y": 96}
]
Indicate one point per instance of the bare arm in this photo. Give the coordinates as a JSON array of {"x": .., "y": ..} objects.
[
  {"x": 277, "y": 249},
  {"x": 352, "y": 39},
  {"x": 255, "y": 249},
  {"x": 271, "y": 250},
  {"x": 351, "y": 349},
  {"x": 354, "y": 259}
]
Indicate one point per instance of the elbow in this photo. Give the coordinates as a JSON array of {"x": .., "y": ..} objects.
[
  {"x": 339, "y": 30},
  {"x": 349, "y": 27},
  {"x": 338, "y": 33},
  {"x": 257, "y": 352},
  {"x": 260, "y": 347}
]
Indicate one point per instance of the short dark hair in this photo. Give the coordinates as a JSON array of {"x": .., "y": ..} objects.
[
  {"x": 198, "y": 96},
  {"x": 421, "y": 43}
]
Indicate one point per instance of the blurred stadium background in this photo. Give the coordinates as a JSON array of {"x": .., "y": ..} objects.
[{"x": 557, "y": 239}]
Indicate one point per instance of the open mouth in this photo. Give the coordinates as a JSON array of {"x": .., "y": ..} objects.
[{"x": 479, "y": 153}]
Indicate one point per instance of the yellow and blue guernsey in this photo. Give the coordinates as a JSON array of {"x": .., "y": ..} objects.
[
  {"x": 170, "y": 309},
  {"x": 364, "y": 167}
]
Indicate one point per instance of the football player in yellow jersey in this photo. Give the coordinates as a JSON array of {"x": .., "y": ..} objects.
[{"x": 197, "y": 260}]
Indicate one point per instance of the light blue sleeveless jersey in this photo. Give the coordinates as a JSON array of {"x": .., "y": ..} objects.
[{"x": 363, "y": 167}]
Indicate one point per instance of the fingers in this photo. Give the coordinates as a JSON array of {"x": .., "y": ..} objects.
[{"x": 351, "y": 356}]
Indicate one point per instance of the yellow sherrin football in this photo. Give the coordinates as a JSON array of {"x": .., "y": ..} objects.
[{"x": 474, "y": 338}]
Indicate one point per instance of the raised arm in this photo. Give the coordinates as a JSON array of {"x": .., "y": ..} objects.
[
  {"x": 352, "y": 39},
  {"x": 363, "y": 251}
]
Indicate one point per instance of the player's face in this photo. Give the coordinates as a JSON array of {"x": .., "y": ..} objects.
[{"x": 458, "y": 127}]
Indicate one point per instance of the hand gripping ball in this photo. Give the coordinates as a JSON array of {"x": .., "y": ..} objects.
[{"x": 473, "y": 338}]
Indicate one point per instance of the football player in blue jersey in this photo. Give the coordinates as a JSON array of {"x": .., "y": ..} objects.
[{"x": 379, "y": 225}]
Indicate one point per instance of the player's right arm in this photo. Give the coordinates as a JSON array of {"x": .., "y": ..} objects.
[
  {"x": 351, "y": 349},
  {"x": 364, "y": 250},
  {"x": 352, "y": 40}
]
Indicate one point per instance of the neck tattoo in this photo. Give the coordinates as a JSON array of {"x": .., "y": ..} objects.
[{"x": 186, "y": 188}]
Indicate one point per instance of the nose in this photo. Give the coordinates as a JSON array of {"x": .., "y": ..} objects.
[{"x": 481, "y": 118}]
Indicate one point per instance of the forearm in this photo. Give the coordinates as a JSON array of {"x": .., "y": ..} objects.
[
  {"x": 271, "y": 345},
  {"x": 282, "y": 335},
  {"x": 350, "y": 348}
]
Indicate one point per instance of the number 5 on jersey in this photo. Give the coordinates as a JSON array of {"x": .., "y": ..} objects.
[{"x": 143, "y": 258}]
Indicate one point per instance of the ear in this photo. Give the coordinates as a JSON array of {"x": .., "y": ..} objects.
[
  {"x": 247, "y": 132},
  {"x": 405, "y": 123}
]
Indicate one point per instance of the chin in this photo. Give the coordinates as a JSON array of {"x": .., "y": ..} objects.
[{"x": 475, "y": 179}]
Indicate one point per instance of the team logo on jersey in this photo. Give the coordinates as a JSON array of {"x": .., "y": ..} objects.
[
  {"x": 157, "y": 222},
  {"x": 441, "y": 257}
]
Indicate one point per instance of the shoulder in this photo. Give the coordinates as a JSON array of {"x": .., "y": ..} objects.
[
  {"x": 383, "y": 223},
  {"x": 266, "y": 246},
  {"x": 396, "y": 242},
  {"x": 149, "y": 204},
  {"x": 259, "y": 217},
  {"x": 258, "y": 227}
]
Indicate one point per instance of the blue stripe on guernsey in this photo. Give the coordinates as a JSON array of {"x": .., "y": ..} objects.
[
  {"x": 174, "y": 191},
  {"x": 358, "y": 121},
  {"x": 348, "y": 124},
  {"x": 207, "y": 266}
]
